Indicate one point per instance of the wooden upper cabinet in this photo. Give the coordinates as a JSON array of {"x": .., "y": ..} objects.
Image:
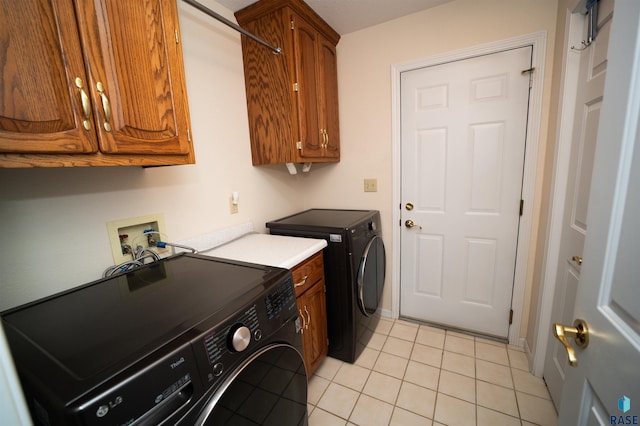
[
  {"x": 92, "y": 83},
  {"x": 134, "y": 56},
  {"x": 41, "y": 107},
  {"x": 310, "y": 130},
  {"x": 292, "y": 97},
  {"x": 329, "y": 97}
]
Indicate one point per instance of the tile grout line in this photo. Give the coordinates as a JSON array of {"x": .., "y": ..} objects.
[{"x": 513, "y": 382}]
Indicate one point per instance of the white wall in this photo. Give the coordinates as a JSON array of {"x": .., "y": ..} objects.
[{"x": 53, "y": 221}]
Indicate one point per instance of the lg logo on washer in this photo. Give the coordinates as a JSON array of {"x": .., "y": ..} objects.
[{"x": 104, "y": 409}]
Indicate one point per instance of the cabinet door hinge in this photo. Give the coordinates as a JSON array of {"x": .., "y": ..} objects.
[
  {"x": 189, "y": 135},
  {"x": 510, "y": 316},
  {"x": 521, "y": 207},
  {"x": 177, "y": 38},
  {"x": 295, "y": 87},
  {"x": 293, "y": 25},
  {"x": 299, "y": 145}
]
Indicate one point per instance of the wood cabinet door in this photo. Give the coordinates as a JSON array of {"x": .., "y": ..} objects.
[
  {"x": 305, "y": 39},
  {"x": 41, "y": 108},
  {"x": 328, "y": 81},
  {"x": 271, "y": 99},
  {"x": 137, "y": 75},
  {"x": 316, "y": 311}
]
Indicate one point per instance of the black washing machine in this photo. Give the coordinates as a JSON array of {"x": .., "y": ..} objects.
[
  {"x": 354, "y": 266},
  {"x": 188, "y": 340}
]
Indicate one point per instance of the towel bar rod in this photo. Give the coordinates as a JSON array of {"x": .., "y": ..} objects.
[{"x": 231, "y": 24}]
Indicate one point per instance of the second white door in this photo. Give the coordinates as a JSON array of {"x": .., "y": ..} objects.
[
  {"x": 589, "y": 96},
  {"x": 463, "y": 141}
]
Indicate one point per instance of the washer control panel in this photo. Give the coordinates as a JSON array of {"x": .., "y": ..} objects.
[
  {"x": 238, "y": 332},
  {"x": 223, "y": 346}
]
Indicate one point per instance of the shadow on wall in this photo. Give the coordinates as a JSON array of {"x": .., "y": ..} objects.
[{"x": 25, "y": 184}]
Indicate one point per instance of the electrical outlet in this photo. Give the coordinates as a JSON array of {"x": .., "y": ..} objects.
[
  {"x": 233, "y": 207},
  {"x": 371, "y": 185},
  {"x": 126, "y": 235}
]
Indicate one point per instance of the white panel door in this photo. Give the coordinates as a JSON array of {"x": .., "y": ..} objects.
[
  {"x": 463, "y": 138},
  {"x": 593, "y": 66},
  {"x": 604, "y": 388}
]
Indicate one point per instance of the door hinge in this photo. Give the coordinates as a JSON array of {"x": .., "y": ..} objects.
[
  {"x": 521, "y": 207},
  {"x": 510, "y": 316},
  {"x": 293, "y": 25},
  {"x": 299, "y": 145},
  {"x": 188, "y": 135},
  {"x": 295, "y": 87},
  {"x": 177, "y": 38}
]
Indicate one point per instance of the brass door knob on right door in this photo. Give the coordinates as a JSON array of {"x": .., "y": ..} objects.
[{"x": 580, "y": 334}]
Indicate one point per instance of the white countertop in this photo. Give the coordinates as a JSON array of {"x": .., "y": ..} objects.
[{"x": 267, "y": 249}]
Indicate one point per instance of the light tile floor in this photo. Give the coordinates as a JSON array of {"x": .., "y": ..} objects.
[{"x": 412, "y": 374}]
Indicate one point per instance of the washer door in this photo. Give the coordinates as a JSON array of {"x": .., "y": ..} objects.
[
  {"x": 371, "y": 275},
  {"x": 269, "y": 388}
]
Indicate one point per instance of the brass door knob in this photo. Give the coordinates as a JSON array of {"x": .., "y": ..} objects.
[
  {"x": 580, "y": 334},
  {"x": 577, "y": 259},
  {"x": 410, "y": 224}
]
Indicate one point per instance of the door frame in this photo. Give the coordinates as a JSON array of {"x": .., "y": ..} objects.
[
  {"x": 538, "y": 42},
  {"x": 574, "y": 33}
]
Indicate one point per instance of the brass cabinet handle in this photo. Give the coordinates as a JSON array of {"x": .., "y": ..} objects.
[
  {"x": 105, "y": 105},
  {"x": 580, "y": 334},
  {"x": 86, "y": 104},
  {"x": 301, "y": 283},
  {"x": 577, "y": 259},
  {"x": 325, "y": 138},
  {"x": 304, "y": 323},
  {"x": 308, "y": 317}
]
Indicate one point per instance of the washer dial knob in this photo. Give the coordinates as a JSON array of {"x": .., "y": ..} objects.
[{"x": 239, "y": 337}]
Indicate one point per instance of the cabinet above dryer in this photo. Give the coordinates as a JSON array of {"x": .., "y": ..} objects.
[{"x": 292, "y": 97}]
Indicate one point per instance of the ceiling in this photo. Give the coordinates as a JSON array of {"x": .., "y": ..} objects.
[{"x": 346, "y": 16}]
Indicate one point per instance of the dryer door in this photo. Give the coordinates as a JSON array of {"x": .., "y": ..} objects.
[
  {"x": 269, "y": 388},
  {"x": 371, "y": 273}
]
